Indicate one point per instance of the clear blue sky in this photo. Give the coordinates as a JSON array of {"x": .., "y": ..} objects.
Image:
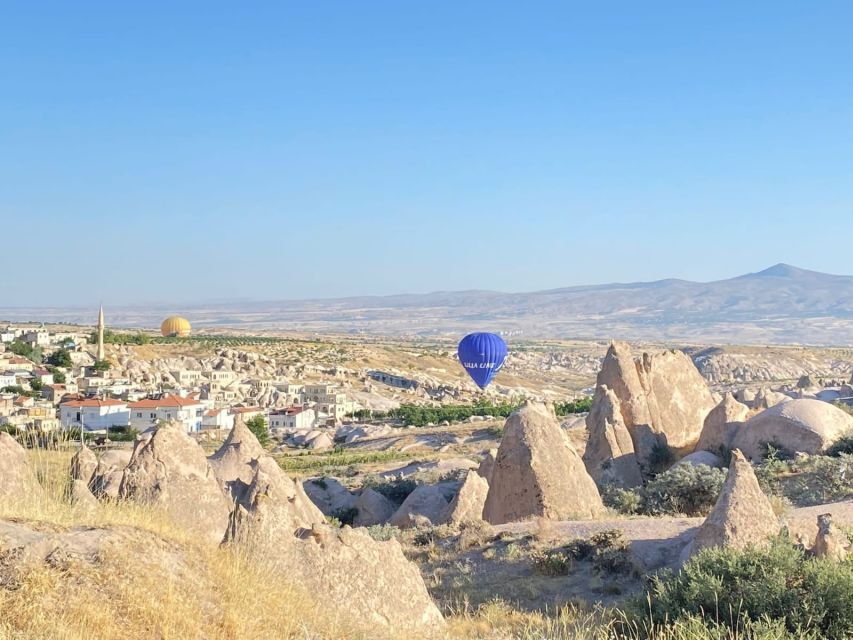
[{"x": 182, "y": 151}]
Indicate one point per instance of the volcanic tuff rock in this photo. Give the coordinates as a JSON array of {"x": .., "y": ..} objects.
[
  {"x": 231, "y": 463},
  {"x": 369, "y": 580},
  {"x": 169, "y": 469},
  {"x": 701, "y": 457},
  {"x": 425, "y": 505},
  {"x": 830, "y": 542},
  {"x": 663, "y": 398},
  {"x": 83, "y": 464},
  {"x": 18, "y": 481},
  {"x": 81, "y": 497},
  {"x": 106, "y": 480},
  {"x": 538, "y": 473},
  {"x": 807, "y": 426},
  {"x": 742, "y": 515},
  {"x": 487, "y": 465},
  {"x": 609, "y": 454},
  {"x": 467, "y": 505},
  {"x": 330, "y": 496},
  {"x": 373, "y": 508},
  {"x": 721, "y": 424}
]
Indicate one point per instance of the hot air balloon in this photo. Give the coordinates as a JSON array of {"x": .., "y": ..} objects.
[{"x": 482, "y": 355}]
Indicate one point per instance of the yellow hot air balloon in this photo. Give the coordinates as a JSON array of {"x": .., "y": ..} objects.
[{"x": 175, "y": 326}]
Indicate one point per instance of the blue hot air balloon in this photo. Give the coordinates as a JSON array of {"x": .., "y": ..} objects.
[{"x": 482, "y": 355}]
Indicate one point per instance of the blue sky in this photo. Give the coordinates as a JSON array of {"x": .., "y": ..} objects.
[{"x": 183, "y": 152}]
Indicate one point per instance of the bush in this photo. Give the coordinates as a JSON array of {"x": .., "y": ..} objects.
[
  {"x": 258, "y": 425},
  {"x": 731, "y": 587},
  {"x": 661, "y": 457},
  {"x": 627, "y": 501},
  {"x": 346, "y": 516},
  {"x": 684, "y": 489},
  {"x": 844, "y": 445},
  {"x": 395, "y": 490},
  {"x": 823, "y": 480},
  {"x": 607, "y": 551},
  {"x": 123, "y": 434}
]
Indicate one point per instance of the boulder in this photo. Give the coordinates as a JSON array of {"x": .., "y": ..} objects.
[
  {"x": 106, "y": 480},
  {"x": 721, "y": 424},
  {"x": 741, "y": 517},
  {"x": 663, "y": 398},
  {"x": 321, "y": 443},
  {"x": 468, "y": 503},
  {"x": 807, "y": 426},
  {"x": 232, "y": 462},
  {"x": 83, "y": 464},
  {"x": 745, "y": 396},
  {"x": 373, "y": 508},
  {"x": 81, "y": 497},
  {"x": 18, "y": 481},
  {"x": 329, "y": 495},
  {"x": 766, "y": 398},
  {"x": 609, "y": 456},
  {"x": 488, "y": 464},
  {"x": 169, "y": 469},
  {"x": 537, "y": 472},
  {"x": 830, "y": 542},
  {"x": 361, "y": 578},
  {"x": 425, "y": 505},
  {"x": 702, "y": 457}
]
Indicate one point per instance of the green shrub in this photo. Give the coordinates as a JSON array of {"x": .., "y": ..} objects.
[
  {"x": 627, "y": 501},
  {"x": 823, "y": 479},
  {"x": 382, "y": 532},
  {"x": 661, "y": 457},
  {"x": 395, "y": 490},
  {"x": 684, "y": 489},
  {"x": 346, "y": 516},
  {"x": 844, "y": 445},
  {"x": 608, "y": 552},
  {"x": 731, "y": 587}
]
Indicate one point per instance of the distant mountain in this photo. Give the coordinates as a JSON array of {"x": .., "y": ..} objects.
[{"x": 782, "y": 304}]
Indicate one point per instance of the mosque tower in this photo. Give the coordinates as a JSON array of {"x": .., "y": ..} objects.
[{"x": 101, "y": 355}]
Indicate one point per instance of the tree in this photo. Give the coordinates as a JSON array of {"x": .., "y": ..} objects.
[
  {"x": 36, "y": 384},
  {"x": 60, "y": 358},
  {"x": 258, "y": 426},
  {"x": 58, "y": 376},
  {"x": 102, "y": 365}
]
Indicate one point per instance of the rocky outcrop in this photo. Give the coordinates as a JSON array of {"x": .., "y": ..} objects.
[
  {"x": 807, "y": 426},
  {"x": 487, "y": 464},
  {"x": 232, "y": 462},
  {"x": 106, "y": 480},
  {"x": 424, "y": 506},
  {"x": 373, "y": 508},
  {"x": 538, "y": 473},
  {"x": 81, "y": 497},
  {"x": 830, "y": 542},
  {"x": 18, "y": 481},
  {"x": 741, "y": 517},
  {"x": 766, "y": 398},
  {"x": 662, "y": 397},
  {"x": 360, "y": 578},
  {"x": 83, "y": 464},
  {"x": 330, "y": 496},
  {"x": 702, "y": 457},
  {"x": 609, "y": 456},
  {"x": 169, "y": 469},
  {"x": 467, "y": 505},
  {"x": 721, "y": 424}
]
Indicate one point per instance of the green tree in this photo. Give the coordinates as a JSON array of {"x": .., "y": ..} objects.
[
  {"x": 58, "y": 376},
  {"x": 36, "y": 384},
  {"x": 60, "y": 358},
  {"x": 102, "y": 365},
  {"x": 258, "y": 426}
]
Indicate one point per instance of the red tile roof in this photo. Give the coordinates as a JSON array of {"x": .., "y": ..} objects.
[
  {"x": 166, "y": 402},
  {"x": 94, "y": 402}
]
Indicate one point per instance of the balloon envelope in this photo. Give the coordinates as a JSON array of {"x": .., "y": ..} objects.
[{"x": 482, "y": 355}]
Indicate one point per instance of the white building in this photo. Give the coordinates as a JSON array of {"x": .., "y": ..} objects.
[
  {"x": 292, "y": 418},
  {"x": 187, "y": 377},
  {"x": 147, "y": 413},
  {"x": 218, "y": 419},
  {"x": 7, "y": 379},
  {"x": 94, "y": 415}
]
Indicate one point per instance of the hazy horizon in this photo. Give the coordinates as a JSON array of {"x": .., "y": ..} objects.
[{"x": 208, "y": 152}]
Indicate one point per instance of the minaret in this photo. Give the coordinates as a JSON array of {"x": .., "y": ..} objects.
[{"x": 101, "y": 355}]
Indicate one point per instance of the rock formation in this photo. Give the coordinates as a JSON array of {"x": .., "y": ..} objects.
[
  {"x": 609, "y": 456},
  {"x": 742, "y": 515},
  {"x": 231, "y": 463},
  {"x": 360, "y": 577},
  {"x": 18, "y": 481},
  {"x": 83, "y": 464},
  {"x": 766, "y": 398},
  {"x": 807, "y": 426},
  {"x": 721, "y": 424},
  {"x": 425, "y": 505},
  {"x": 662, "y": 397},
  {"x": 830, "y": 542},
  {"x": 106, "y": 480},
  {"x": 702, "y": 457},
  {"x": 373, "y": 508},
  {"x": 538, "y": 473},
  {"x": 488, "y": 464},
  {"x": 169, "y": 469},
  {"x": 467, "y": 505},
  {"x": 81, "y": 497},
  {"x": 330, "y": 496}
]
